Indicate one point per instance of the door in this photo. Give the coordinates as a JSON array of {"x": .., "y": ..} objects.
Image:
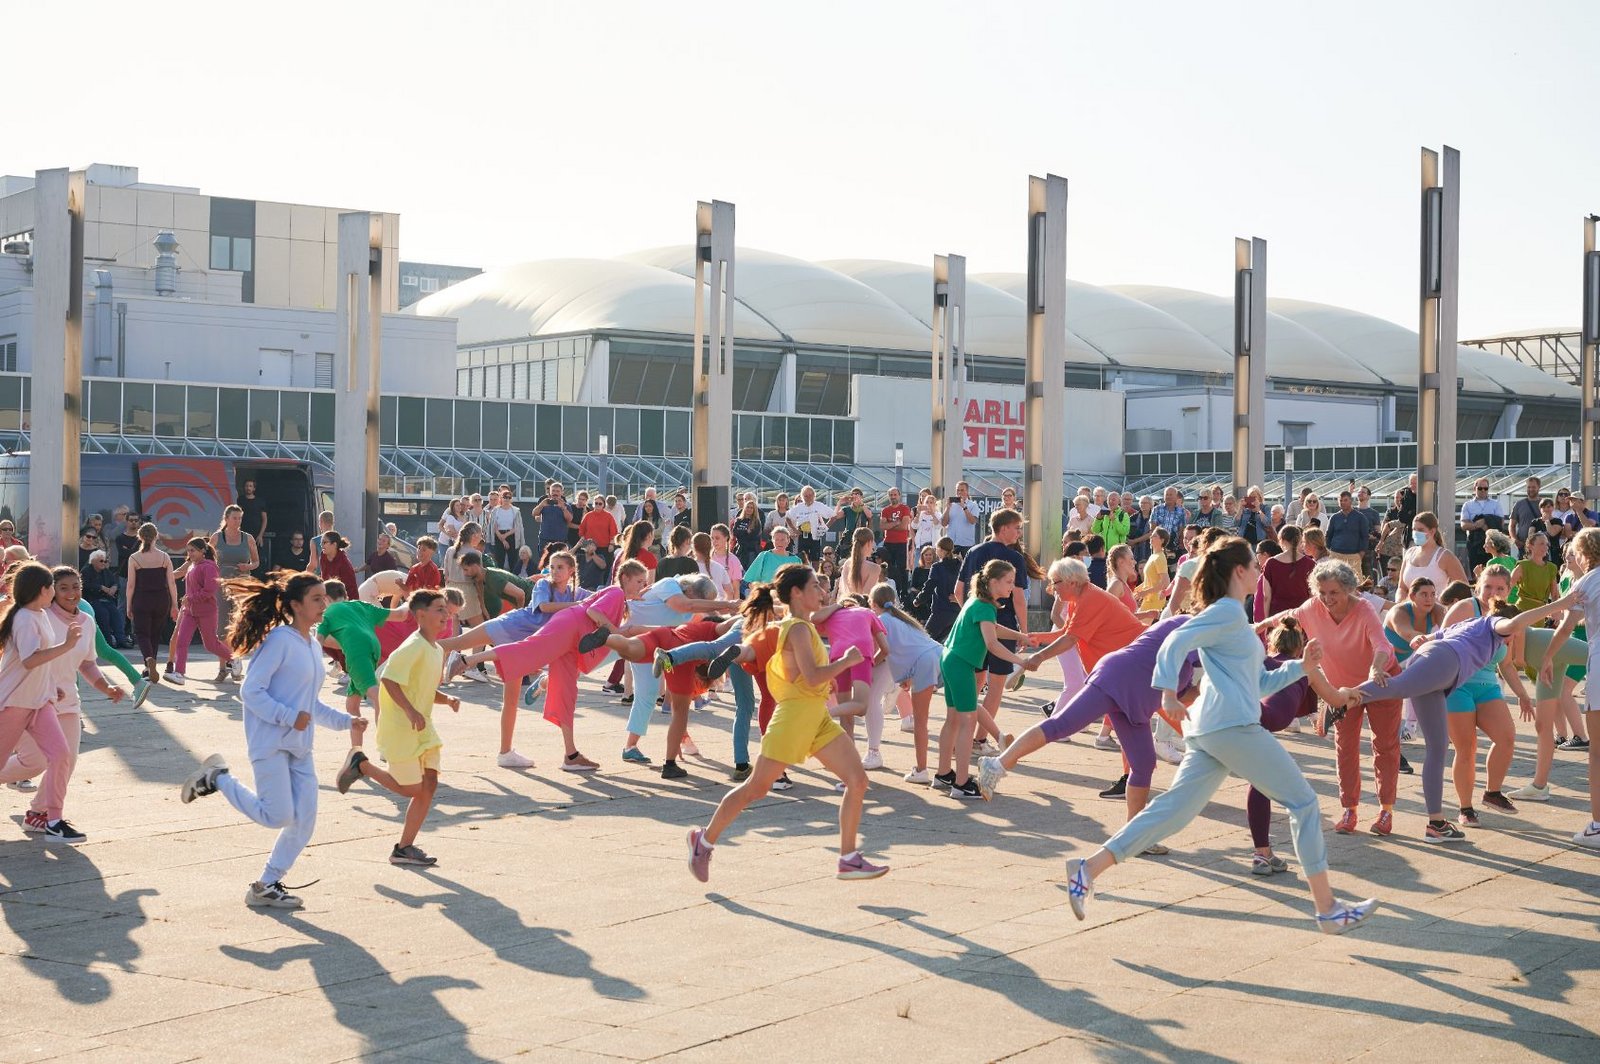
[{"x": 277, "y": 368}]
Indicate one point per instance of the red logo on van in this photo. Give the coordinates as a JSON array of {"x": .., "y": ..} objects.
[{"x": 184, "y": 497}]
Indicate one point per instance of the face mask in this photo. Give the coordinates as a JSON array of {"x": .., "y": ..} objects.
[{"x": 1420, "y": 538}]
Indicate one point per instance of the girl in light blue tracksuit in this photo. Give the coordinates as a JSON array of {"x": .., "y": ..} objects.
[{"x": 282, "y": 704}]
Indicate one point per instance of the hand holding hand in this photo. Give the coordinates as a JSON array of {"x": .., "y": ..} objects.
[
  {"x": 1311, "y": 657},
  {"x": 302, "y": 721},
  {"x": 358, "y": 728},
  {"x": 454, "y": 703}
]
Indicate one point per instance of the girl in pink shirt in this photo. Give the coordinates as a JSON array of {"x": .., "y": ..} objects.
[
  {"x": 30, "y": 639},
  {"x": 202, "y": 584},
  {"x": 851, "y": 625}
]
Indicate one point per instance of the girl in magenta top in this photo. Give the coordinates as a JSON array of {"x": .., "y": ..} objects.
[
  {"x": 202, "y": 588},
  {"x": 849, "y": 625},
  {"x": 1285, "y": 578}
]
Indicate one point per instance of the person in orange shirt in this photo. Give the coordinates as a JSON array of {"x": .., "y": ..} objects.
[{"x": 598, "y": 524}]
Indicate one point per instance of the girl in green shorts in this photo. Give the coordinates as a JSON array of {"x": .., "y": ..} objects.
[{"x": 975, "y": 635}]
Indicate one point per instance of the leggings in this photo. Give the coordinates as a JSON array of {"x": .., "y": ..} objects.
[
  {"x": 1088, "y": 706},
  {"x": 36, "y": 735},
  {"x": 150, "y": 612},
  {"x": 1427, "y": 675},
  {"x": 200, "y": 615},
  {"x": 646, "y": 687},
  {"x": 285, "y": 798},
  {"x": 1277, "y": 711}
]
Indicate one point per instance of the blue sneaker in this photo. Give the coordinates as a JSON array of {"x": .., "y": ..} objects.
[
  {"x": 634, "y": 755},
  {"x": 1345, "y": 915}
]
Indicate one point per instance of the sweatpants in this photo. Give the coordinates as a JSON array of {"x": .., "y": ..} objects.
[
  {"x": 646, "y": 688},
  {"x": 1423, "y": 681},
  {"x": 1246, "y": 750},
  {"x": 205, "y": 618},
  {"x": 1089, "y": 705},
  {"x": 285, "y": 798},
  {"x": 37, "y": 740},
  {"x": 1277, "y": 712}
]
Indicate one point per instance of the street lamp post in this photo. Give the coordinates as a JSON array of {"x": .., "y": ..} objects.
[
  {"x": 1590, "y": 356},
  {"x": 900, "y": 469},
  {"x": 603, "y": 452},
  {"x": 1249, "y": 363},
  {"x": 1044, "y": 376},
  {"x": 1436, "y": 335}
]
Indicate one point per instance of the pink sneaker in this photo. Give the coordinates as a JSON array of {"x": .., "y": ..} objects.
[
  {"x": 857, "y": 868},
  {"x": 700, "y": 856}
]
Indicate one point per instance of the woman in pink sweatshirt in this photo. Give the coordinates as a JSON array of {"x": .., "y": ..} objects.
[{"x": 202, "y": 586}]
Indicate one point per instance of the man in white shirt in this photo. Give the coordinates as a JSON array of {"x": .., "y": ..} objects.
[
  {"x": 810, "y": 519},
  {"x": 1480, "y": 514},
  {"x": 960, "y": 519}
]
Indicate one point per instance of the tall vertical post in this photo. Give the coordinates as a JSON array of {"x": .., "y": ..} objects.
[
  {"x": 53, "y": 483},
  {"x": 1044, "y": 380},
  {"x": 1436, "y": 377},
  {"x": 360, "y": 306},
  {"x": 1249, "y": 364},
  {"x": 949, "y": 370},
  {"x": 712, "y": 445},
  {"x": 1589, "y": 361}
]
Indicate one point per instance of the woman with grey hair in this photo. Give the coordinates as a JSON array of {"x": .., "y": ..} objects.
[{"x": 1354, "y": 649}]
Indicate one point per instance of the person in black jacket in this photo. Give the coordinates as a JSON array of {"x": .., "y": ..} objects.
[
  {"x": 926, "y": 558},
  {"x": 937, "y": 597}
]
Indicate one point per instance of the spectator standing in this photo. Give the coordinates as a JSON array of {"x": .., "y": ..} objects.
[
  {"x": 579, "y": 511},
  {"x": 747, "y": 529},
  {"x": 1171, "y": 517},
  {"x": 1207, "y": 514},
  {"x": 895, "y": 521},
  {"x": 382, "y": 559},
  {"x": 1525, "y": 514},
  {"x": 618, "y": 512},
  {"x": 126, "y": 543},
  {"x": 960, "y": 519},
  {"x": 8, "y": 535},
  {"x": 1112, "y": 524},
  {"x": 1480, "y": 515},
  {"x": 778, "y": 517},
  {"x": 1254, "y": 525},
  {"x": 682, "y": 516},
  {"x": 810, "y": 519},
  {"x": 927, "y": 530},
  {"x": 1347, "y": 534},
  {"x": 1139, "y": 526},
  {"x": 255, "y": 520},
  {"x": 553, "y": 515},
  {"x": 599, "y": 525},
  {"x": 505, "y": 525}
]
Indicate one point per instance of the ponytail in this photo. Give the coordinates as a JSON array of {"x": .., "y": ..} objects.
[
  {"x": 1288, "y": 639},
  {"x": 702, "y": 549},
  {"x": 262, "y": 605},
  {"x": 147, "y": 536},
  {"x": 204, "y": 547},
  {"x": 759, "y": 607},
  {"x": 28, "y": 581},
  {"x": 883, "y": 596},
  {"x": 1217, "y": 567}
]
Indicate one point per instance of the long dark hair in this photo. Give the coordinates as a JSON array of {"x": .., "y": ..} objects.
[
  {"x": 262, "y": 605},
  {"x": 633, "y": 539},
  {"x": 204, "y": 547},
  {"x": 28, "y": 582},
  {"x": 1217, "y": 566}
]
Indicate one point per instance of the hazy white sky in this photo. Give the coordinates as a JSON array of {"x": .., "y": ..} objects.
[{"x": 510, "y": 131}]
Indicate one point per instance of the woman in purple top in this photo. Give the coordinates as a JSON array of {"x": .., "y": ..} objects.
[
  {"x": 1438, "y": 667},
  {"x": 1119, "y": 690}
]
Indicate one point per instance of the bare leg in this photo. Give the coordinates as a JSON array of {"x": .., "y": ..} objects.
[
  {"x": 1544, "y": 726},
  {"x": 508, "y": 712},
  {"x": 1592, "y": 719},
  {"x": 965, "y": 723},
  {"x": 679, "y": 726},
  {"x": 853, "y": 706},
  {"x": 1464, "y": 771},
  {"x": 1494, "y": 718},
  {"x": 475, "y": 637},
  {"x": 840, "y": 758},
  {"x": 734, "y": 802},
  {"x": 989, "y": 722},
  {"x": 919, "y": 720}
]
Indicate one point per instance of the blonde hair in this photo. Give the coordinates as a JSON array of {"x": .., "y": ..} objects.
[
  {"x": 992, "y": 571},
  {"x": 886, "y": 599},
  {"x": 1586, "y": 544}
]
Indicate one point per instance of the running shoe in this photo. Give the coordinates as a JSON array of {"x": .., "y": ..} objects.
[
  {"x": 141, "y": 691},
  {"x": 1575, "y": 743},
  {"x": 1346, "y": 824},
  {"x": 724, "y": 661},
  {"x": 1266, "y": 866},
  {"x": 1169, "y": 751},
  {"x": 873, "y": 761},
  {"x": 857, "y": 867},
  {"x": 918, "y": 775},
  {"x": 1293, "y": 726},
  {"x": 1118, "y": 789},
  {"x": 350, "y": 771},
  {"x": 699, "y": 855},
  {"x": 1384, "y": 825},
  {"x": 578, "y": 763},
  {"x": 1327, "y": 716},
  {"x": 1156, "y": 849},
  {"x": 63, "y": 831},
  {"x": 593, "y": 641},
  {"x": 944, "y": 779},
  {"x": 1499, "y": 801},
  {"x": 535, "y": 690},
  {"x": 1589, "y": 837},
  {"x": 204, "y": 780},
  {"x": 1443, "y": 831},
  {"x": 237, "y": 665},
  {"x": 625, "y": 700},
  {"x": 1015, "y": 681},
  {"x": 1079, "y": 887},
  {"x": 1106, "y": 742},
  {"x": 1561, "y": 740},
  {"x": 611, "y": 688},
  {"x": 634, "y": 755},
  {"x": 990, "y": 773},
  {"x": 701, "y": 703},
  {"x": 1408, "y": 732},
  {"x": 1048, "y": 707},
  {"x": 479, "y": 673},
  {"x": 1530, "y": 793},
  {"x": 1405, "y": 766},
  {"x": 908, "y": 724},
  {"x": 671, "y": 770},
  {"x": 454, "y": 665},
  {"x": 1468, "y": 817},
  {"x": 173, "y": 676},
  {"x": 270, "y": 896},
  {"x": 740, "y": 773},
  {"x": 783, "y": 782},
  {"x": 661, "y": 663},
  {"x": 411, "y": 855},
  {"x": 23, "y": 785},
  {"x": 687, "y": 748},
  {"x": 34, "y": 823},
  {"x": 512, "y": 759},
  {"x": 965, "y": 790},
  {"x": 1345, "y": 915}
]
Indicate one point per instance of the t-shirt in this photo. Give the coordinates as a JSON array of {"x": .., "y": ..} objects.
[
  {"x": 599, "y": 526},
  {"x": 31, "y": 631},
  {"x": 416, "y": 667},
  {"x": 651, "y": 610},
  {"x": 381, "y": 584},
  {"x": 811, "y": 519},
  {"x": 963, "y": 527},
  {"x": 965, "y": 642},
  {"x": 553, "y": 521},
  {"x": 907, "y": 645},
  {"x": 1102, "y": 623},
  {"x": 352, "y": 623},
  {"x": 889, "y": 517},
  {"x": 979, "y": 556},
  {"x": 127, "y": 547},
  {"x": 1348, "y": 645},
  {"x": 494, "y": 589},
  {"x": 525, "y": 621},
  {"x": 253, "y": 510},
  {"x": 766, "y": 566},
  {"x": 852, "y": 626},
  {"x": 424, "y": 574},
  {"x": 677, "y": 566}
]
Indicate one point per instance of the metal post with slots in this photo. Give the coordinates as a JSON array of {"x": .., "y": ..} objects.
[
  {"x": 53, "y": 482},
  {"x": 1436, "y": 377},
  {"x": 712, "y": 445},
  {"x": 1045, "y": 386},
  {"x": 1249, "y": 364},
  {"x": 1589, "y": 361},
  {"x": 360, "y": 306},
  {"x": 949, "y": 370}
]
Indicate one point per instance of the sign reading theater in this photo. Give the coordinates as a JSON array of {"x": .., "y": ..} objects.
[{"x": 994, "y": 429}]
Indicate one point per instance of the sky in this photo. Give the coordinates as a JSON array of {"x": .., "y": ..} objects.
[{"x": 507, "y": 132}]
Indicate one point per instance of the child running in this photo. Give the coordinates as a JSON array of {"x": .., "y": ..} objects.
[
  {"x": 913, "y": 663},
  {"x": 975, "y": 639},
  {"x": 351, "y": 626},
  {"x": 409, "y": 689},
  {"x": 800, "y": 676},
  {"x": 201, "y": 585},
  {"x": 852, "y": 624},
  {"x": 273, "y": 619}
]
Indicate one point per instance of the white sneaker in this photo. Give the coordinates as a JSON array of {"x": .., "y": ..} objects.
[
  {"x": 990, "y": 773},
  {"x": 1589, "y": 837},
  {"x": 918, "y": 775},
  {"x": 237, "y": 665},
  {"x": 873, "y": 760},
  {"x": 512, "y": 759},
  {"x": 454, "y": 665},
  {"x": 1169, "y": 751},
  {"x": 908, "y": 724},
  {"x": 177, "y": 678},
  {"x": 1105, "y": 742},
  {"x": 23, "y": 785},
  {"x": 1529, "y": 793}
]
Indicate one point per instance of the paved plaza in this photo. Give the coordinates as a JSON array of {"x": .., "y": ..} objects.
[{"x": 561, "y": 923}]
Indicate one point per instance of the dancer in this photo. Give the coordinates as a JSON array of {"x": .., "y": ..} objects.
[
  {"x": 33, "y": 638},
  {"x": 1225, "y": 735},
  {"x": 273, "y": 618},
  {"x": 718, "y": 654},
  {"x": 683, "y": 684},
  {"x": 913, "y": 666},
  {"x": 974, "y": 642},
  {"x": 1410, "y": 623},
  {"x": 1581, "y": 602},
  {"x": 152, "y": 596},
  {"x": 406, "y": 737},
  {"x": 1278, "y": 710},
  {"x": 1550, "y": 696},
  {"x": 800, "y": 674},
  {"x": 351, "y": 626},
  {"x": 1428, "y": 556},
  {"x": 201, "y": 583},
  {"x": 850, "y": 623},
  {"x": 1005, "y": 530}
]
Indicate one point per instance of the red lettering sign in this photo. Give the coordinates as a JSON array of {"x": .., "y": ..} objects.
[{"x": 987, "y": 434}]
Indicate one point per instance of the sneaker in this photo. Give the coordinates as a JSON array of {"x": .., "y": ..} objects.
[
  {"x": 1561, "y": 740},
  {"x": 410, "y": 855},
  {"x": 661, "y": 663},
  {"x": 783, "y": 782},
  {"x": 1015, "y": 681},
  {"x": 454, "y": 665},
  {"x": 968, "y": 789},
  {"x": 1443, "y": 831},
  {"x": 1079, "y": 887},
  {"x": 1118, "y": 789},
  {"x": 63, "y": 831},
  {"x": 908, "y": 724},
  {"x": 671, "y": 770},
  {"x": 944, "y": 779},
  {"x": 1384, "y": 825},
  {"x": 838, "y": 787},
  {"x": 237, "y": 665},
  {"x": 724, "y": 661},
  {"x": 350, "y": 771},
  {"x": 611, "y": 688},
  {"x": 270, "y": 896},
  {"x": 1499, "y": 801},
  {"x": 1266, "y": 866},
  {"x": 1327, "y": 716},
  {"x": 532, "y": 694},
  {"x": 985, "y": 748},
  {"x": 1155, "y": 849},
  {"x": 990, "y": 773},
  {"x": 1589, "y": 837},
  {"x": 23, "y": 785},
  {"x": 479, "y": 673},
  {"x": 1345, "y": 915},
  {"x": 35, "y": 823},
  {"x": 204, "y": 780},
  {"x": 635, "y": 756},
  {"x": 740, "y": 772},
  {"x": 1293, "y": 726},
  {"x": 224, "y": 672},
  {"x": 1106, "y": 742},
  {"x": 1048, "y": 708},
  {"x": 873, "y": 761},
  {"x": 857, "y": 867},
  {"x": 593, "y": 641},
  {"x": 1405, "y": 767},
  {"x": 1346, "y": 823},
  {"x": 512, "y": 759},
  {"x": 1408, "y": 732},
  {"x": 176, "y": 677},
  {"x": 141, "y": 691},
  {"x": 1529, "y": 793},
  {"x": 1468, "y": 817},
  {"x": 1575, "y": 743},
  {"x": 578, "y": 763},
  {"x": 687, "y": 748},
  {"x": 918, "y": 775},
  {"x": 1169, "y": 751},
  {"x": 625, "y": 700},
  {"x": 699, "y": 855}
]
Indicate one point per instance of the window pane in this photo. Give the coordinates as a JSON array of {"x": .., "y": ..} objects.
[
  {"x": 469, "y": 425},
  {"x": 799, "y": 439},
  {"x": 242, "y": 253},
  {"x": 438, "y": 431},
  {"x": 844, "y": 442},
  {"x": 138, "y": 409},
  {"x": 463, "y": 381},
  {"x": 410, "y": 415},
  {"x": 519, "y": 381},
  {"x": 677, "y": 434},
  {"x": 600, "y": 424},
  {"x": 626, "y": 440},
  {"x": 202, "y": 403},
  {"x": 494, "y": 427},
  {"x": 169, "y": 410},
  {"x": 747, "y": 445},
  {"x": 566, "y": 389},
  {"x": 233, "y": 413},
  {"x": 575, "y": 430},
  {"x": 294, "y": 416},
  {"x": 777, "y": 435},
  {"x": 651, "y": 430},
  {"x": 548, "y": 434},
  {"x": 11, "y": 404},
  {"x": 322, "y": 419},
  {"x": 821, "y": 440},
  {"x": 263, "y": 414},
  {"x": 506, "y": 382},
  {"x": 105, "y": 407},
  {"x": 522, "y": 428},
  {"x": 220, "y": 256}
]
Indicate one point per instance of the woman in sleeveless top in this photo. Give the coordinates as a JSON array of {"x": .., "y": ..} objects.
[
  {"x": 152, "y": 596},
  {"x": 1428, "y": 556},
  {"x": 1479, "y": 704}
]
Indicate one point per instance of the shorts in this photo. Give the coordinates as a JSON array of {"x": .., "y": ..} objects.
[
  {"x": 861, "y": 672},
  {"x": 408, "y": 773},
  {"x": 1578, "y": 672},
  {"x": 1000, "y": 666},
  {"x": 924, "y": 671},
  {"x": 960, "y": 684},
  {"x": 510, "y": 627},
  {"x": 361, "y": 662},
  {"x": 799, "y": 729},
  {"x": 1472, "y": 694}
]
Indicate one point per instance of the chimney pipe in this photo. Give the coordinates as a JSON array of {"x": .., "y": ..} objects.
[
  {"x": 104, "y": 337},
  {"x": 166, "y": 263}
]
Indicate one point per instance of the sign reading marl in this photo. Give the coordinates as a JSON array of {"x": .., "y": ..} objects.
[{"x": 994, "y": 429}]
